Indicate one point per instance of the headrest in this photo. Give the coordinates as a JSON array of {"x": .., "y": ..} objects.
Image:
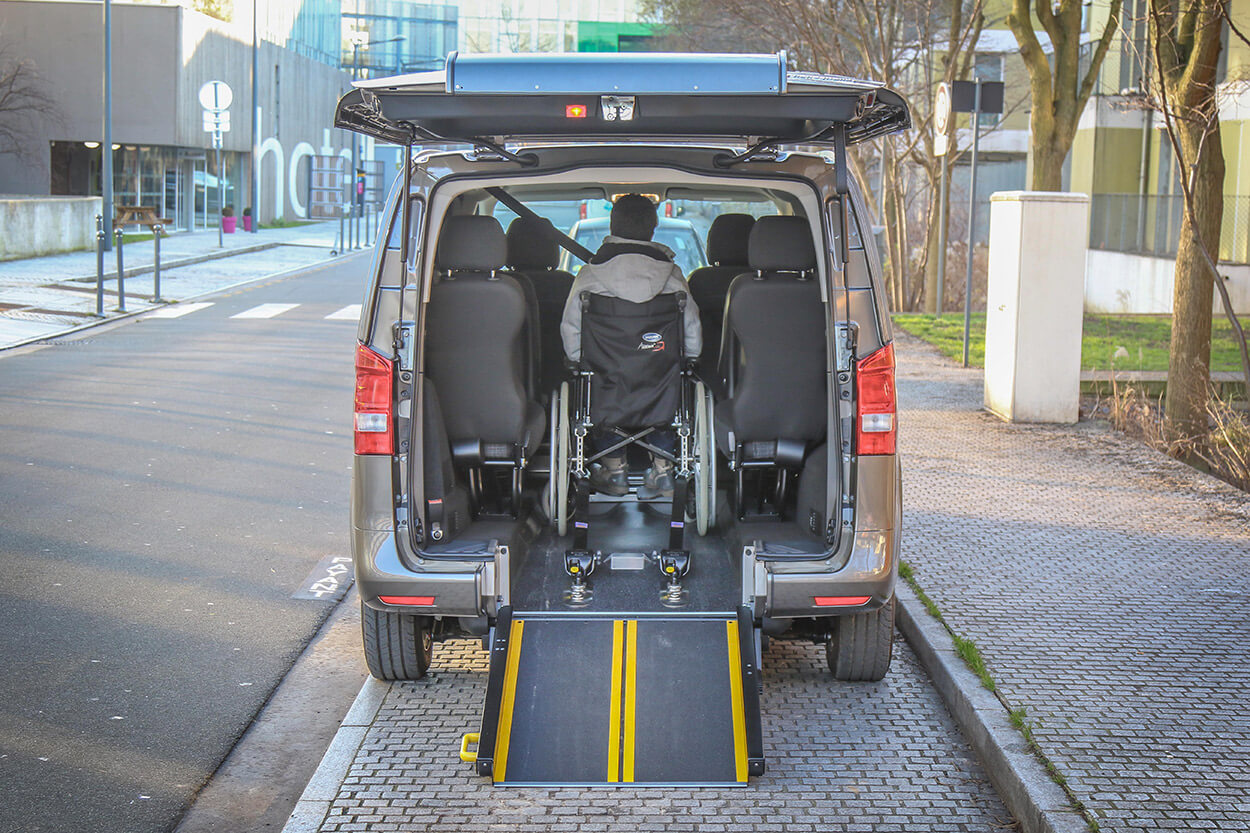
[
  {"x": 782, "y": 244},
  {"x": 727, "y": 239},
  {"x": 471, "y": 243},
  {"x": 529, "y": 246}
]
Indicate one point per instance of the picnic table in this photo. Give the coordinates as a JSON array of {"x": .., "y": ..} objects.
[{"x": 140, "y": 215}]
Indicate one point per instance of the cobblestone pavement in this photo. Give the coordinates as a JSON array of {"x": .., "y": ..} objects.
[
  {"x": 1107, "y": 586},
  {"x": 841, "y": 757}
]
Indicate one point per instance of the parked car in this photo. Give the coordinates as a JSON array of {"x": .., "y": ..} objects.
[{"x": 466, "y": 503}]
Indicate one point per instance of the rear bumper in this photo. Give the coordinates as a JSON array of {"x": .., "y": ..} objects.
[
  {"x": 871, "y": 571},
  {"x": 458, "y": 588}
]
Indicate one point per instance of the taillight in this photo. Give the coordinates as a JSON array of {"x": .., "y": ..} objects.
[
  {"x": 374, "y": 412},
  {"x": 581, "y": 211},
  {"x": 668, "y": 209},
  {"x": 840, "y": 601},
  {"x": 876, "y": 424}
]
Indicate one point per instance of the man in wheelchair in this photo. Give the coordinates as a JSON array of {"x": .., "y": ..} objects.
[{"x": 629, "y": 327}]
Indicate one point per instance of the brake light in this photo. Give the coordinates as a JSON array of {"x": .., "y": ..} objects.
[
  {"x": 373, "y": 412},
  {"x": 412, "y": 601},
  {"x": 581, "y": 211},
  {"x": 668, "y": 209},
  {"x": 876, "y": 424},
  {"x": 840, "y": 601}
]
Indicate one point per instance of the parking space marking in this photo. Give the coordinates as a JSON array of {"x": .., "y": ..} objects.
[
  {"x": 329, "y": 580},
  {"x": 351, "y": 312},
  {"x": 265, "y": 311},
  {"x": 179, "y": 310}
]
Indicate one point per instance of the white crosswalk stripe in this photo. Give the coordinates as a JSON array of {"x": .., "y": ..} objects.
[
  {"x": 265, "y": 311},
  {"x": 351, "y": 312},
  {"x": 178, "y": 310}
]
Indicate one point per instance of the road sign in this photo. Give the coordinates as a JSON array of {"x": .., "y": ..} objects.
[
  {"x": 216, "y": 121},
  {"x": 216, "y": 96},
  {"x": 941, "y": 119},
  {"x": 963, "y": 96}
]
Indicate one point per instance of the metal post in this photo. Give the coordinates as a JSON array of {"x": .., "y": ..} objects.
[
  {"x": 221, "y": 191},
  {"x": 156, "y": 263},
  {"x": 342, "y": 243},
  {"x": 121, "y": 273},
  {"x": 353, "y": 223},
  {"x": 943, "y": 210},
  {"x": 106, "y": 149},
  {"x": 972, "y": 214},
  {"x": 99, "y": 265},
  {"x": 254, "y": 172}
]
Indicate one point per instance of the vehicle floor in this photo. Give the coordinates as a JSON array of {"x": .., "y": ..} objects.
[{"x": 714, "y": 582}]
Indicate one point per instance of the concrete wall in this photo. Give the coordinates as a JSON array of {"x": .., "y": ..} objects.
[
  {"x": 31, "y": 226},
  {"x": 1123, "y": 283}
]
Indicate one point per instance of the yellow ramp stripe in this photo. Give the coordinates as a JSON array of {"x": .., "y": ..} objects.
[
  {"x": 631, "y": 668},
  {"x": 614, "y": 713},
  {"x": 735, "y": 698},
  {"x": 504, "y": 732}
]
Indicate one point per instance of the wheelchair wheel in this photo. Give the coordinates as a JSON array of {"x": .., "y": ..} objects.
[
  {"x": 558, "y": 489},
  {"x": 705, "y": 461}
]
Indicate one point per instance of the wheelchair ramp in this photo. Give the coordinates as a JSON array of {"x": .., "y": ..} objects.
[{"x": 615, "y": 700}]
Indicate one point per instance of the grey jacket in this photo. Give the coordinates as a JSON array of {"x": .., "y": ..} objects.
[{"x": 631, "y": 277}]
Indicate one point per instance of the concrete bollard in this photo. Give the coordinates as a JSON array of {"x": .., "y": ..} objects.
[{"x": 1035, "y": 304}]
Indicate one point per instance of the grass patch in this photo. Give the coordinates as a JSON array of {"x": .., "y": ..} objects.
[
  {"x": 971, "y": 655},
  {"x": 286, "y": 223},
  {"x": 1144, "y": 338}
]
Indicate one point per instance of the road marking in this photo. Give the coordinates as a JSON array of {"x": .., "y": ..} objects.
[
  {"x": 178, "y": 310},
  {"x": 265, "y": 311},
  {"x": 351, "y": 312},
  {"x": 329, "y": 580}
]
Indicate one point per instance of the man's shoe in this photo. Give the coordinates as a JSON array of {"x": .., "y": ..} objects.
[
  {"x": 610, "y": 479},
  {"x": 656, "y": 483}
]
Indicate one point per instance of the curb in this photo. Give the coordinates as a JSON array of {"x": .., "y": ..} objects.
[
  {"x": 174, "y": 264},
  {"x": 1022, "y": 782},
  {"x": 310, "y": 811}
]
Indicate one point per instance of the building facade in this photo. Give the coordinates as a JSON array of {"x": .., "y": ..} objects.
[{"x": 161, "y": 56}]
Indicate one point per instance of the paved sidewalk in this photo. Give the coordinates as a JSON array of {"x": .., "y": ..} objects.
[
  {"x": 1106, "y": 585},
  {"x": 40, "y": 297}
]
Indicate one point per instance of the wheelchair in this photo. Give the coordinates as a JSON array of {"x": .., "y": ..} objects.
[{"x": 633, "y": 380}]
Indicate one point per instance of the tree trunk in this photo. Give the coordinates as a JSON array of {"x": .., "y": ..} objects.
[
  {"x": 1045, "y": 163},
  {"x": 1189, "y": 374},
  {"x": 933, "y": 239}
]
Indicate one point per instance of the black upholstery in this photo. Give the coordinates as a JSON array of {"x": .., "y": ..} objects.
[
  {"x": 478, "y": 341},
  {"x": 813, "y": 491},
  {"x": 635, "y": 351},
  {"x": 727, "y": 252},
  {"x": 532, "y": 257},
  {"x": 447, "y": 502},
  {"x": 773, "y": 351}
]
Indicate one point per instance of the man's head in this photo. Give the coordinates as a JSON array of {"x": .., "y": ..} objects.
[{"x": 633, "y": 217}]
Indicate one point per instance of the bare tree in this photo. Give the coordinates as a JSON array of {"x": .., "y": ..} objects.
[
  {"x": 1058, "y": 91},
  {"x": 896, "y": 42},
  {"x": 25, "y": 105},
  {"x": 1186, "y": 42}
]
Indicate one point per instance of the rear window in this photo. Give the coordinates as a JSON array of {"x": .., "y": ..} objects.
[{"x": 685, "y": 243}]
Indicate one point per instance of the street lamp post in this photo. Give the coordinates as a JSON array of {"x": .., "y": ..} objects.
[
  {"x": 254, "y": 168},
  {"x": 359, "y": 40},
  {"x": 106, "y": 150}
]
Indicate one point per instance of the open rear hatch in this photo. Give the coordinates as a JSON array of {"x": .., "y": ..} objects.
[{"x": 488, "y": 100}]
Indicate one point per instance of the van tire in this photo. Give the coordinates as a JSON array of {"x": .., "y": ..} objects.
[
  {"x": 398, "y": 646},
  {"x": 860, "y": 645}
]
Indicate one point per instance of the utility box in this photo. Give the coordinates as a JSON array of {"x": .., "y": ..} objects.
[{"x": 1035, "y": 304}]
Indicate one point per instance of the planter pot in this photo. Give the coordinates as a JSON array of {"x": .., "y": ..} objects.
[
  {"x": 247, "y": 222},
  {"x": 228, "y": 224}
]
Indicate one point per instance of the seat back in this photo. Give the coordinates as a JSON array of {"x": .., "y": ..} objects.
[
  {"x": 532, "y": 258},
  {"x": 635, "y": 351},
  {"x": 709, "y": 285},
  {"x": 478, "y": 348},
  {"x": 774, "y": 349}
]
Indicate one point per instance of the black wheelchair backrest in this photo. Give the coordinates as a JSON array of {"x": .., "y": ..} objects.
[{"x": 635, "y": 351}]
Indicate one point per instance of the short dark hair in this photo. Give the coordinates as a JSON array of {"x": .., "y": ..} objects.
[{"x": 633, "y": 216}]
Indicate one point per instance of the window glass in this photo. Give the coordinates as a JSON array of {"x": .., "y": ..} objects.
[{"x": 395, "y": 240}]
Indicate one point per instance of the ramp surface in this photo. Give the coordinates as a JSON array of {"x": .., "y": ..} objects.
[{"x": 579, "y": 699}]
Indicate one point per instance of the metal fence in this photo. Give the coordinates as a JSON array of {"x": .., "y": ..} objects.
[{"x": 1151, "y": 225}]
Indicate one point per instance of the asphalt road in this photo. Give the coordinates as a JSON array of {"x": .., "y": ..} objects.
[{"x": 165, "y": 486}]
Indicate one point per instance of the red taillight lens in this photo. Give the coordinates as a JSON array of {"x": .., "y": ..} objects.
[
  {"x": 374, "y": 413},
  {"x": 668, "y": 209},
  {"x": 410, "y": 601},
  {"x": 581, "y": 211},
  {"x": 876, "y": 423},
  {"x": 840, "y": 601}
]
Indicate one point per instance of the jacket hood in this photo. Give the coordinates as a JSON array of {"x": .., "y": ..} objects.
[{"x": 636, "y": 277}]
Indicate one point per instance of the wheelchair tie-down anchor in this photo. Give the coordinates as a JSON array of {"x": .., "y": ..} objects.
[{"x": 633, "y": 372}]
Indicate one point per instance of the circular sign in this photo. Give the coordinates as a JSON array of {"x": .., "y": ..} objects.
[
  {"x": 942, "y": 108},
  {"x": 216, "y": 96}
]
